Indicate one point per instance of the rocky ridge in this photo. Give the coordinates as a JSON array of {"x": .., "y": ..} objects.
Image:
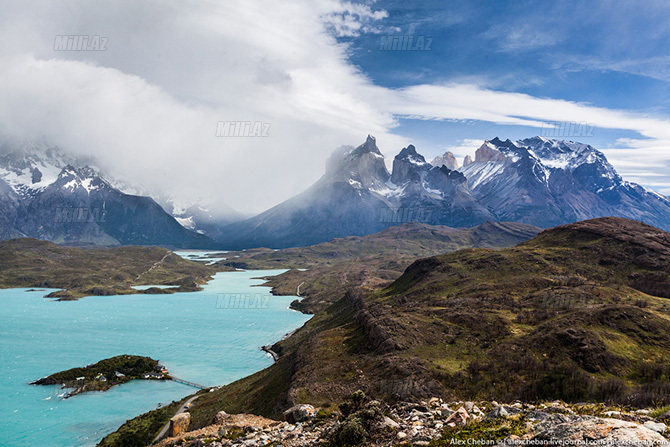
[
  {"x": 435, "y": 423},
  {"x": 536, "y": 181}
]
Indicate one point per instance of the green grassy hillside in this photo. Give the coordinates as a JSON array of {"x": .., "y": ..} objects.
[
  {"x": 563, "y": 316},
  {"x": 326, "y": 271},
  {"x": 578, "y": 313},
  {"x": 95, "y": 271}
]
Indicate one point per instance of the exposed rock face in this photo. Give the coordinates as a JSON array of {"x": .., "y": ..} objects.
[
  {"x": 363, "y": 165},
  {"x": 535, "y": 181},
  {"x": 467, "y": 160},
  {"x": 447, "y": 159},
  {"x": 597, "y": 431},
  {"x": 432, "y": 422},
  {"x": 408, "y": 166},
  {"x": 357, "y": 196},
  {"x": 179, "y": 424},
  {"x": 299, "y": 413},
  {"x": 487, "y": 152}
]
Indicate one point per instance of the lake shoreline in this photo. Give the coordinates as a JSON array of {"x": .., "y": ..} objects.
[{"x": 182, "y": 329}]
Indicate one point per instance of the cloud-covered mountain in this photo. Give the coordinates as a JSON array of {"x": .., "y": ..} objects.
[
  {"x": 358, "y": 196},
  {"x": 536, "y": 181},
  {"x": 47, "y": 194}
]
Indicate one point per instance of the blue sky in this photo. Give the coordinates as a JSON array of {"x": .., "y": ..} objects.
[
  {"x": 614, "y": 55},
  {"x": 311, "y": 71}
]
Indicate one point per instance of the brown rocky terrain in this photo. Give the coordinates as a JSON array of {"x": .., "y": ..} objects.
[{"x": 434, "y": 423}]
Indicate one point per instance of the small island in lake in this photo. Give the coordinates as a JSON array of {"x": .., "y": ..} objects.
[{"x": 104, "y": 374}]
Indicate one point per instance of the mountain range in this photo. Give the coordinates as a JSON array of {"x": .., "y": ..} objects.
[
  {"x": 46, "y": 194},
  {"x": 49, "y": 195},
  {"x": 536, "y": 181}
]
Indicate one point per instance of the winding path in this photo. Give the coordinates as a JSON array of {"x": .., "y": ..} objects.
[
  {"x": 156, "y": 264},
  {"x": 182, "y": 409}
]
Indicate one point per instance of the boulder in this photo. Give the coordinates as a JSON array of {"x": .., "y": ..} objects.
[
  {"x": 594, "y": 430},
  {"x": 299, "y": 413},
  {"x": 446, "y": 412},
  {"x": 497, "y": 412},
  {"x": 535, "y": 415},
  {"x": 179, "y": 424},
  {"x": 388, "y": 422},
  {"x": 460, "y": 417},
  {"x": 658, "y": 427},
  {"x": 512, "y": 410},
  {"x": 221, "y": 417}
]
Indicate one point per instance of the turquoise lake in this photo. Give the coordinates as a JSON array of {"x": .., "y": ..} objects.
[{"x": 197, "y": 335}]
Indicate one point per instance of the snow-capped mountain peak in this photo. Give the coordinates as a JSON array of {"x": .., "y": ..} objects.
[
  {"x": 549, "y": 182},
  {"x": 29, "y": 167},
  {"x": 362, "y": 167},
  {"x": 85, "y": 178},
  {"x": 409, "y": 153},
  {"x": 50, "y": 195},
  {"x": 561, "y": 154}
]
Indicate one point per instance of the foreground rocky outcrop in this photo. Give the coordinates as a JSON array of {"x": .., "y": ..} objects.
[{"x": 434, "y": 423}]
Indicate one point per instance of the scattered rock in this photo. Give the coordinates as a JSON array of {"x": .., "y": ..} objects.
[
  {"x": 497, "y": 412},
  {"x": 446, "y": 412},
  {"x": 535, "y": 415},
  {"x": 375, "y": 424},
  {"x": 513, "y": 410},
  {"x": 388, "y": 422}
]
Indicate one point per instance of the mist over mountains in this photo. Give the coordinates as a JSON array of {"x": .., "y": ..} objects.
[
  {"x": 536, "y": 181},
  {"x": 50, "y": 195}
]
